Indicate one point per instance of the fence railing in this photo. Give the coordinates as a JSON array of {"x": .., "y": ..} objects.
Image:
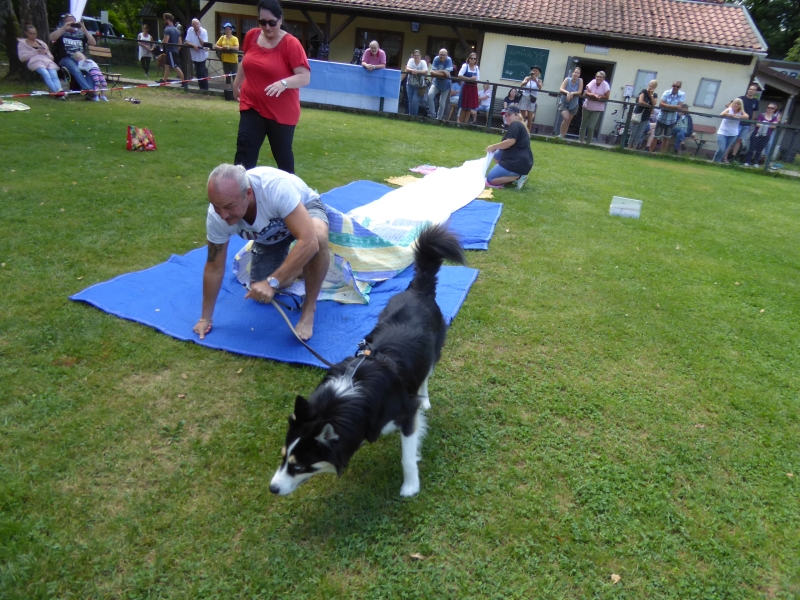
[{"x": 778, "y": 147}]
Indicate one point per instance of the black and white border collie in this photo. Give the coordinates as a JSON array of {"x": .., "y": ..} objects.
[{"x": 384, "y": 388}]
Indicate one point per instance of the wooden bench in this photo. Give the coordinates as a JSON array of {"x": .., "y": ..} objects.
[
  {"x": 102, "y": 56},
  {"x": 701, "y": 131}
]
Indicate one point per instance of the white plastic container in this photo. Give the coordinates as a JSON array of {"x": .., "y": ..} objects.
[{"x": 625, "y": 207}]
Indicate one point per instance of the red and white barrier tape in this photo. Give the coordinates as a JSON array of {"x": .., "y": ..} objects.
[{"x": 125, "y": 87}]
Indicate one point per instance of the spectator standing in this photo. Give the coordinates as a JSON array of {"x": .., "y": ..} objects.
[
  {"x": 644, "y": 106},
  {"x": 145, "y": 46},
  {"x": 228, "y": 47},
  {"x": 68, "y": 39},
  {"x": 172, "y": 38},
  {"x": 196, "y": 39},
  {"x": 485, "y": 100},
  {"x": 571, "y": 90},
  {"x": 95, "y": 74},
  {"x": 417, "y": 69},
  {"x": 530, "y": 86},
  {"x": 596, "y": 91},
  {"x": 750, "y": 104},
  {"x": 374, "y": 58},
  {"x": 470, "y": 73},
  {"x": 440, "y": 70},
  {"x": 267, "y": 87},
  {"x": 683, "y": 128},
  {"x": 669, "y": 105},
  {"x": 513, "y": 154},
  {"x": 729, "y": 128},
  {"x": 36, "y": 55},
  {"x": 762, "y": 134},
  {"x": 512, "y": 99}
]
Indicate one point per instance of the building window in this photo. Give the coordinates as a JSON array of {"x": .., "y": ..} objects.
[
  {"x": 642, "y": 79},
  {"x": 455, "y": 49},
  {"x": 707, "y": 92},
  {"x": 391, "y": 42},
  {"x": 241, "y": 25}
]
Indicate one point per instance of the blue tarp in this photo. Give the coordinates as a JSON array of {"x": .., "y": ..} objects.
[{"x": 168, "y": 296}]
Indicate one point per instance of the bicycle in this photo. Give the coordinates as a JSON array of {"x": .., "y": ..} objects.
[{"x": 613, "y": 138}]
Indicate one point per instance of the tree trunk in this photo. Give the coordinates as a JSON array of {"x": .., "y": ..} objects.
[
  {"x": 10, "y": 33},
  {"x": 35, "y": 13}
]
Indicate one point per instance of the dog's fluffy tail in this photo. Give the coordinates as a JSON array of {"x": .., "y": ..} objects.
[{"x": 435, "y": 244}]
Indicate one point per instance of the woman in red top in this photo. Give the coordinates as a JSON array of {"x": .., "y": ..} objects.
[{"x": 273, "y": 68}]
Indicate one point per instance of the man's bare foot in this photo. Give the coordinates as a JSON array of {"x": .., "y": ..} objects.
[{"x": 305, "y": 327}]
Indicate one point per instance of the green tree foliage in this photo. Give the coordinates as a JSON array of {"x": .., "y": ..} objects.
[
  {"x": 794, "y": 53},
  {"x": 779, "y": 23}
]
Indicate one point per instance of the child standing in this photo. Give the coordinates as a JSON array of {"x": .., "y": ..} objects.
[{"x": 91, "y": 67}]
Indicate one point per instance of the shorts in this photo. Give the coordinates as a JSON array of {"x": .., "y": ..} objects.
[
  {"x": 565, "y": 107},
  {"x": 527, "y": 103},
  {"x": 483, "y": 109},
  {"x": 173, "y": 60},
  {"x": 744, "y": 132},
  {"x": 266, "y": 258},
  {"x": 663, "y": 130},
  {"x": 230, "y": 68},
  {"x": 498, "y": 171}
]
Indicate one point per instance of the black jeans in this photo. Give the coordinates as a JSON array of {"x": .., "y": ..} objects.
[
  {"x": 146, "y": 65},
  {"x": 253, "y": 128},
  {"x": 200, "y": 71}
]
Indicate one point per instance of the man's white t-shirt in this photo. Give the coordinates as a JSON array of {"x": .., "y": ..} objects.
[{"x": 277, "y": 194}]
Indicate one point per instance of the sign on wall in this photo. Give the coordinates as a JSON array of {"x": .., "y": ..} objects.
[{"x": 519, "y": 60}]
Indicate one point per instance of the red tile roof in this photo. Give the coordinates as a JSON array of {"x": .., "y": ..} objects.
[{"x": 702, "y": 23}]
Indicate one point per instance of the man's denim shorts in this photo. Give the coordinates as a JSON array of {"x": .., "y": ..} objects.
[{"x": 268, "y": 257}]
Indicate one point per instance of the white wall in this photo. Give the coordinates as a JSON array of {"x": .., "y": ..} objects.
[{"x": 734, "y": 78}]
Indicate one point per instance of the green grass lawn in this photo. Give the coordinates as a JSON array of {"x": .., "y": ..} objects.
[{"x": 617, "y": 396}]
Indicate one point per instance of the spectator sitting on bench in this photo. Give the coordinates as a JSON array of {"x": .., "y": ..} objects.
[
  {"x": 69, "y": 38},
  {"x": 485, "y": 99},
  {"x": 683, "y": 128},
  {"x": 94, "y": 73}
]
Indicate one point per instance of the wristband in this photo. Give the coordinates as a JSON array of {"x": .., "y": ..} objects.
[{"x": 202, "y": 320}]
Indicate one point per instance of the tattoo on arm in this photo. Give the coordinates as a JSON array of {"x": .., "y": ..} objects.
[{"x": 213, "y": 251}]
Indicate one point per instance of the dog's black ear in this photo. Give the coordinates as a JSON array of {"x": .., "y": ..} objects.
[
  {"x": 327, "y": 435},
  {"x": 300, "y": 409}
]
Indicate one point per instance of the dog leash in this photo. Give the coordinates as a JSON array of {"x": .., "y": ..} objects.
[{"x": 289, "y": 323}]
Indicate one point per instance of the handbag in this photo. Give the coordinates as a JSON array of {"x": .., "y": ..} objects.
[
  {"x": 140, "y": 138},
  {"x": 416, "y": 80},
  {"x": 636, "y": 117}
]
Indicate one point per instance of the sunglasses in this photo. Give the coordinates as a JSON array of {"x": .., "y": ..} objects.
[
  {"x": 271, "y": 23},
  {"x": 772, "y": 107}
]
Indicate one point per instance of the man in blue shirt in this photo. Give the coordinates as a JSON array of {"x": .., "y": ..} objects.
[
  {"x": 442, "y": 66},
  {"x": 669, "y": 105}
]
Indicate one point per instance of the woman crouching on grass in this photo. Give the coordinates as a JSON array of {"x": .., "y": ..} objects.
[{"x": 513, "y": 154}]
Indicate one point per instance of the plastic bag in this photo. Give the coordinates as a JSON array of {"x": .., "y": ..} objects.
[{"x": 140, "y": 139}]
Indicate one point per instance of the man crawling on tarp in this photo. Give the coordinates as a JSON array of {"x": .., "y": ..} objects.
[{"x": 273, "y": 208}]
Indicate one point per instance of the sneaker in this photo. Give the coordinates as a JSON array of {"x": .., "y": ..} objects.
[
  {"x": 96, "y": 99},
  {"x": 746, "y": 164},
  {"x": 521, "y": 181},
  {"x": 103, "y": 98},
  {"x": 491, "y": 185}
]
